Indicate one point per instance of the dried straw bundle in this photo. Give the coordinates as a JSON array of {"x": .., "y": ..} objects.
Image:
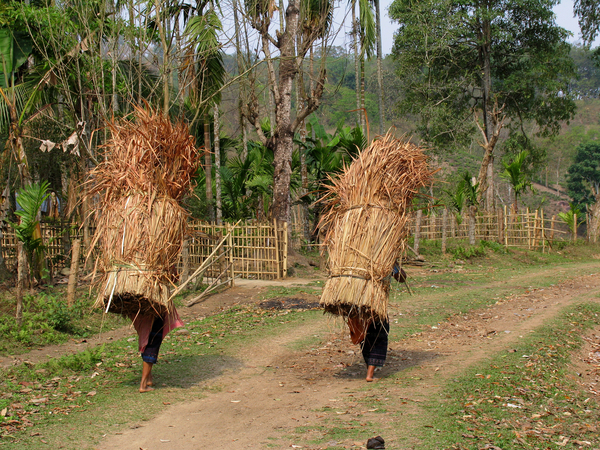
[
  {"x": 147, "y": 154},
  {"x": 368, "y": 207},
  {"x": 140, "y": 224}
]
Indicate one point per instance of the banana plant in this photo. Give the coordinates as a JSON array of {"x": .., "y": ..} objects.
[{"x": 30, "y": 198}]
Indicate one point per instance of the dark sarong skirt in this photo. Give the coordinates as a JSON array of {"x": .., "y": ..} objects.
[
  {"x": 374, "y": 347},
  {"x": 150, "y": 354}
]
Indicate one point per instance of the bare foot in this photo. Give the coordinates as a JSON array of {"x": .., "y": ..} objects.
[
  {"x": 150, "y": 382},
  {"x": 370, "y": 373},
  {"x": 146, "y": 389}
]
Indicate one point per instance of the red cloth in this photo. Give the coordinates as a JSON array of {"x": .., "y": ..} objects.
[
  {"x": 358, "y": 329},
  {"x": 143, "y": 325}
]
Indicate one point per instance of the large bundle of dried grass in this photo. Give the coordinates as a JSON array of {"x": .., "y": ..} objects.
[
  {"x": 140, "y": 224},
  {"x": 368, "y": 208}
]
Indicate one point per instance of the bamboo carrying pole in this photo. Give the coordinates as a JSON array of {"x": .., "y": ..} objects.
[{"x": 200, "y": 270}]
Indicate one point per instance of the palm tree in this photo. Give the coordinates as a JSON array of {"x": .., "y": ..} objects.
[
  {"x": 208, "y": 73},
  {"x": 364, "y": 33},
  {"x": 379, "y": 62},
  {"x": 515, "y": 174}
]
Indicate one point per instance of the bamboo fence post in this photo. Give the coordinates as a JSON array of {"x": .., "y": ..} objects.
[
  {"x": 505, "y": 227},
  {"x": 276, "y": 248},
  {"x": 535, "y": 229},
  {"x": 543, "y": 234},
  {"x": 471, "y": 225},
  {"x": 574, "y": 227},
  {"x": 230, "y": 245},
  {"x": 86, "y": 224},
  {"x": 285, "y": 248},
  {"x": 500, "y": 225},
  {"x": 185, "y": 260},
  {"x": 417, "y": 231},
  {"x": 528, "y": 228},
  {"x": 73, "y": 273},
  {"x": 432, "y": 226},
  {"x": 552, "y": 227},
  {"x": 444, "y": 229}
]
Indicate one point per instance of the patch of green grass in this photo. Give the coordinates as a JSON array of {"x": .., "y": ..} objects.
[
  {"x": 288, "y": 291},
  {"x": 48, "y": 320},
  {"x": 82, "y": 390},
  {"x": 520, "y": 399}
]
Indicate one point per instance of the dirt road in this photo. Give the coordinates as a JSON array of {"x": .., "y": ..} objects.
[{"x": 280, "y": 396}]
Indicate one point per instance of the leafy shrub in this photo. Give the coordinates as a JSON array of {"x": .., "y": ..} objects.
[
  {"x": 495, "y": 246},
  {"x": 461, "y": 252}
]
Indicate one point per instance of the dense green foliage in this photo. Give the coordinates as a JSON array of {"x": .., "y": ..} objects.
[
  {"x": 452, "y": 54},
  {"x": 583, "y": 179}
]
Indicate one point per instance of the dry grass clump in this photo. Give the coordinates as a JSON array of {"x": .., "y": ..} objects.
[
  {"x": 368, "y": 208},
  {"x": 140, "y": 225}
]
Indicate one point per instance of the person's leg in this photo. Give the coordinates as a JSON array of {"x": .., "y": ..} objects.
[
  {"x": 150, "y": 355},
  {"x": 146, "y": 382},
  {"x": 375, "y": 347}
]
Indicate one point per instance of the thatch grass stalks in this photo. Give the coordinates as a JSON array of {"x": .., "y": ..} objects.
[
  {"x": 140, "y": 224},
  {"x": 368, "y": 208}
]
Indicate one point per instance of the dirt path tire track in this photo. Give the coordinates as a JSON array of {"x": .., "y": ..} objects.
[{"x": 261, "y": 406}]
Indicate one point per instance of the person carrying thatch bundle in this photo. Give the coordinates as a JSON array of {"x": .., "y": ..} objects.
[
  {"x": 141, "y": 225},
  {"x": 368, "y": 208}
]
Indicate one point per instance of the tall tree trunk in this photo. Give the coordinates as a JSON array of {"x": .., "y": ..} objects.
[
  {"x": 165, "y": 70},
  {"x": 242, "y": 83},
  {"x": 217, "y": 146},
  {"x": 284, "y": 133},
  {"x": 21, "y": 275},
  {"x": 114, "y": 40},
  {"x": 487, "y": 171},
  {"x": 379, "y": 68},
  {"x": 355, "y": 34},
  {"x": 363, "y": 107},
  {"x": 208, "y": 171}
]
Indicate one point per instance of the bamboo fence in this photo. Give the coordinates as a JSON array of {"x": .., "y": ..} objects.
[
  {"x": 254, "y": 245},
  {"x": 526, "y": 229}
]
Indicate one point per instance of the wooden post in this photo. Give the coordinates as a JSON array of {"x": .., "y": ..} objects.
[
  {"x": 277, "y": 248},
  {"x": 552, "y": 228},
  {"x": 432, "y": 226},
  {"x": 528, "y": 229},
  {"x": 444, "y": 229},
  {"x": 506, "y": 217},
  {"x": 73, "y": 273},
  {"x": 500, "y": 225},
  {"x": 230, "y": 245},
  {"x": 185, "y": 261},
  {"x": 86, "y": 226},
  {"x": 285, "y": 248},
  {"x": 417, "y": 231},
  {"x": 543, "y": 233}
]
